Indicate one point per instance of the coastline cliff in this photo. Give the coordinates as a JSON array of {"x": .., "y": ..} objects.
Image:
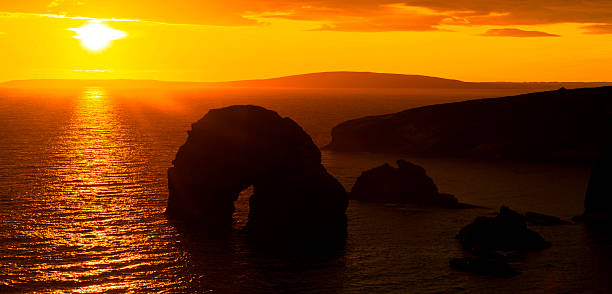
[{"x": 557, "y": 124}]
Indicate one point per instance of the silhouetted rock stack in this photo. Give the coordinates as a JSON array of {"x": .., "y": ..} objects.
[
  {"x": 230, "y": 149},
  {"x": 598, "y": 198},
  {"x": 506, "y": 231},
  {"x": 408, "y": 183}
]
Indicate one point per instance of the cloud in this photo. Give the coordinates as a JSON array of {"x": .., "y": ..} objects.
[
  {"x": 343, "y": 15},
  {"x": 55, "y": 3},
  {"x": 22, "y": 15},
  {"x": 392, "y": 17},
  {"x": 510, "y": 32},
  {"x": 422, "y": 14},
  {"x": 598, "y": 29},
  {"x": 62, "y": 6}
]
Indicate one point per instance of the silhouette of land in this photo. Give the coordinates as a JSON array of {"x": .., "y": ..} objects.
[
  {"x": 555, "y": 124},
  {"x": 341, "y": 79}
]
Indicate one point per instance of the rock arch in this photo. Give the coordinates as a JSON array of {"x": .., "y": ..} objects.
[{"x": 230, "y": 149}]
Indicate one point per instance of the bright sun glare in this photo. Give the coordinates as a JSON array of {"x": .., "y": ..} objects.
[{"x": 96, "y": 36}]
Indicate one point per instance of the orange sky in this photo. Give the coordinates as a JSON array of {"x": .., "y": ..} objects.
[{"x": 478, "y": 40}]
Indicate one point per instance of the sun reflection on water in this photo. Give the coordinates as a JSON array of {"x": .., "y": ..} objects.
[
  {"x": 96, "y": 171},
  {"x": 94, "y": 222},
  {"x": 93, "y": 144}
]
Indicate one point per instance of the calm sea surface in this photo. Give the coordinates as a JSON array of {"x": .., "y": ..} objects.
[{"x": 83, "y": 191}]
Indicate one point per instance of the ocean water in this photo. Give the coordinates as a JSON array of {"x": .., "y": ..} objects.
[{"x": 83, "y": 191}]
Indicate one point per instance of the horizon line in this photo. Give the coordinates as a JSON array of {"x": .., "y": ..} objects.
[{"x": 291, "y": 75}]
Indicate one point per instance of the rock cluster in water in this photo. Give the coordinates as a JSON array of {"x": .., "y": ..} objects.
[
  {"x": 232, "y": 148},
  {"x": 486, "y": 235},
  {"x": 506, "y": 231},
  {"x": 408, "y": 183}
]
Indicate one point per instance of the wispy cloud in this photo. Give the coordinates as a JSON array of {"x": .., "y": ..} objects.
[
  {"x": 55, "y": 3},
  {"x": 194, "y": 27},
  {"x": 512, "y": 32},
  {"x": 92, "y": 70},
  {"x": 421, "y": 15},
  {"x": 344, "y": 15},
  {"x": 598, "y": 29},
  {"x": 85, "y": 18},
  {"x": 25, "y": 14}
]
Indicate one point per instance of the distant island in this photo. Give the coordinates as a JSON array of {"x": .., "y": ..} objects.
[
  {"x": 322, "y": 80},
  {"x": 555, "y": 124}
]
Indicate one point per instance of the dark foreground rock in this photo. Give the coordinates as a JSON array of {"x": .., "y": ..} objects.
[
  {"x": 490, "y": 263},
  {"x": 563, "y": 124},
  {"x": 232, "y": 148},
  {"x": 408, "y": 183},
  {"x": 506, "y": 231},
  {"x": 598, "y": 198}
]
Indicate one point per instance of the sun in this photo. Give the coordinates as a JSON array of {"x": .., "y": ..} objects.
[{"x": 96, "y": 36}]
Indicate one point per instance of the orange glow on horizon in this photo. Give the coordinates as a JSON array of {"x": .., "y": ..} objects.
[{"x": 214, "y": 41}]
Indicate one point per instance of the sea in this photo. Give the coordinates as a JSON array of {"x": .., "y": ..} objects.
[{"x": 83, "y": 190}]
